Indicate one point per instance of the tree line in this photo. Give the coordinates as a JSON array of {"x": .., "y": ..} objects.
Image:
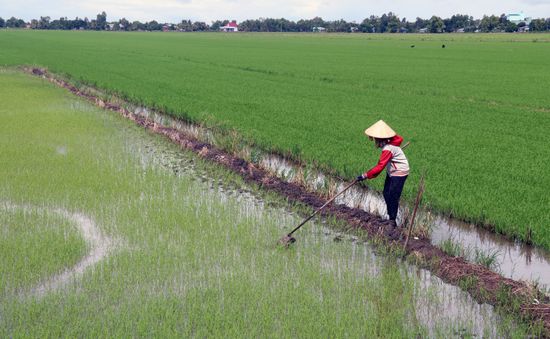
[{"x": 386, "y": 23}]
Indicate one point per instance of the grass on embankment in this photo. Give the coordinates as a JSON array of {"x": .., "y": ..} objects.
[
  {"x": 476, "y": 111},
  {"x": 192, "y": 260}
]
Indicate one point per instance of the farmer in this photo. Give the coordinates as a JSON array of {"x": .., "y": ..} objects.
[{"x": 397, "y": 166}]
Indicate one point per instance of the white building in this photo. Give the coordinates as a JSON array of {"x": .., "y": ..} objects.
[
  {"x": 230, "y": 27},
  {"x": 517, "y": 18}
]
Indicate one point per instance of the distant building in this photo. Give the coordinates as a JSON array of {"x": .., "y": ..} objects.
[
  {"x": 230, "y": 27},
  {"x": 318, "y": 29},
  {"x": 518, "y": 18}
]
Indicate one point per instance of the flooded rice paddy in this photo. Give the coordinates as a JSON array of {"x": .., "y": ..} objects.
[{"x": 196, "y": 249}]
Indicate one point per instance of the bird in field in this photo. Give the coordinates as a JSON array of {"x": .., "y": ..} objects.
[
  {"x": 443, "y": 46},
  {"x": 412, "y": 46}
]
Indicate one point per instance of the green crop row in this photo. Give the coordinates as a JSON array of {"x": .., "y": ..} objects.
[{"x": 476, "y": 112}]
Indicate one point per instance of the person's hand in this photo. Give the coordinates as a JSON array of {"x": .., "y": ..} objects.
[{"x": 360, "y": 178}]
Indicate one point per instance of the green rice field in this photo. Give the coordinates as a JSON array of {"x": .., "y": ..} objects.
[
  {"x": 477, "y": 111},
  {"x": 109, "y": 231}
]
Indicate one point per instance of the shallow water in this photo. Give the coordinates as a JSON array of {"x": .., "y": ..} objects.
[
  {"x": 515, "y": 260},
  {"x": 440, "y": 307}
]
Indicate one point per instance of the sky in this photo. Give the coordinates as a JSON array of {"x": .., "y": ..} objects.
[{"x": 209, "y": 10}]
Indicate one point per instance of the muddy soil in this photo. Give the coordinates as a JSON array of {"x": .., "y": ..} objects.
[{"x": 483, "y": 284}]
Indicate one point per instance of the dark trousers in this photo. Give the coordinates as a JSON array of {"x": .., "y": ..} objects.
[{"x": 393, "y": 186}]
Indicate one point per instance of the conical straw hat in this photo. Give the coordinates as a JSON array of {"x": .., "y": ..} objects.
[{"x": 380, "y": 130}]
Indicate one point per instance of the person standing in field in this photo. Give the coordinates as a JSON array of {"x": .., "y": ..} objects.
[{"x": 395, "y": 162}]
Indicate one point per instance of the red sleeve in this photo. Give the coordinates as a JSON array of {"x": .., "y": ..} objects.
[
  {"x": 396, "y": 140},
  {"x": 385, "y": 157}
]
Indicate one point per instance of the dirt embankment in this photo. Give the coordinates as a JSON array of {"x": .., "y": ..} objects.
[{"x": 483, "y": 284}]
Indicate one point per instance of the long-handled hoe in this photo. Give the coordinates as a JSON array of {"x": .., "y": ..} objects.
[{"x": 288, "y": 239}]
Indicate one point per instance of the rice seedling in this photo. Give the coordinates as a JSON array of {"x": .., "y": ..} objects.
[
  {"x": 452, "y": 248},
  {"x": 487, "y": 258},
  {"x": 192, "y": 257}
]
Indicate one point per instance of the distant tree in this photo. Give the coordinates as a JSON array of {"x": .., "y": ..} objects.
[
  {"x": 250, "y": 25},
  {"x": 123, "y": 24},
  {"x": 79, "y": 23},
  {"x": 449, "y": 25},
  {"x": 62, "y": 24},
  {"x": 199, "y": 26},
  {"x": 511, "y": 27},
  {"x": 101, "y": 21},
  {"x": 503, "y": 22},
  {"x": 389, "y": 23},
  {"x": 475, "y": 26},
  {"x": 307, "y": 25},
  {"x": 2, "y": 23},
  {"x": 217, "y": 24},
  {"x": 269, "y": 25},
  {"x": 153, "y": 26},
  {"x": 287, "y": 25},
  {"x": 137, "y": 26},
  {"x": 436, "y": 25},
  {"x": 370, "y": 24},
  {"x": 54, "y": 24},
  {"x": 339, "y": 26},
  {"x": 185, "y": 25},
  {"x": 407, "y": 26},
  {"x": 489, "y": 23},
  {"x": 303, "y": 26},
  {"x": 421, "y": 23},
  {"x": 34, "y": 24},
  {"x": 470, "y": 24},
  {"x": 167, "y": 26},
  {"x": 383, "y": 24},
  {"x": 457, "y": 21},
  {"x": 15, "y": 23},
  {"x": 318, "y": 22},
  {"x": 537, "y": 25}
]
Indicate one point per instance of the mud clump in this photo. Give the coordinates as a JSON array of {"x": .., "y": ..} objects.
[
  {"x": 482, "y": 283},
  {"x": 38, "y": 71}
]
